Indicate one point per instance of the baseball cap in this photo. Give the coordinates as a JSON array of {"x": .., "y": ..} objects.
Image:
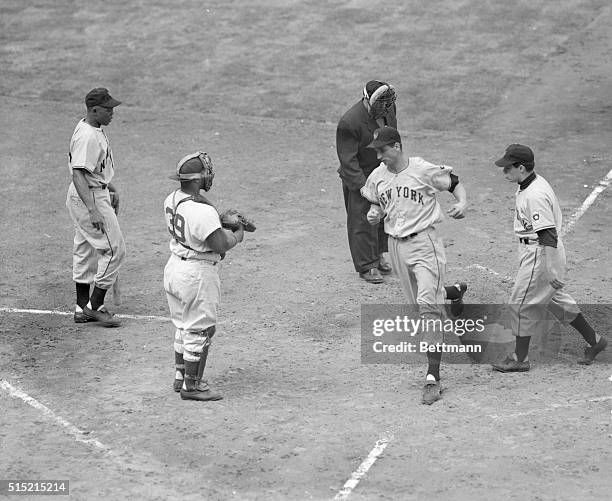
[
  {"x": 516, "y": 153},
  {"x": 385, "y": 135},
  {"x": 100, "y": 97}
]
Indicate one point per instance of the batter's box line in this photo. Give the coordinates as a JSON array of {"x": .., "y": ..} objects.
[{"x": 550, "y": 408}]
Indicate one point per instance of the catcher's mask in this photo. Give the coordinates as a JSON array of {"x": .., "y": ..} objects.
[
  {"x": 380, "y": 96},
  {"x": 198, "y": 165}
]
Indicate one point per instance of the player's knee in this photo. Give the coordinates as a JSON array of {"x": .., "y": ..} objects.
[
  {"x": 178, "y": 346},
  {"x": 192, "y": 356}
]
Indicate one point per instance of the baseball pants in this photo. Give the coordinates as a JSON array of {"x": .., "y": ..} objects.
[
  {"x": 533, "y": 297},
  {"x": 193, "y": 291},
  {"x": 96, "y": 255},
  {"x": 420, "y": 264}
]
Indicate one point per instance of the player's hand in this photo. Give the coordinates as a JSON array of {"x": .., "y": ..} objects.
[
  {"x": 96, "y": 219},
  {"x": 457, "y": 211},
  {"x": 553, "y": 267},
  {"x": 374, "y": 215},
  {"x": 114, "y": 197},
  {"x": 556, "y": 284}
]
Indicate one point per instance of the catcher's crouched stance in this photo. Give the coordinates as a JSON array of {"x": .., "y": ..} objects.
[{"x": 191, "y": 280}]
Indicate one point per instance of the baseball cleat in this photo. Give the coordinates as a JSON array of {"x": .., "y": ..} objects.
[
  {"x": 82, "y": 318},
  {"x": 590, "y": 352},
  {"x": 511, "y": 365},
  {"x": 431, "y": 392},
  {"x": 103, "y": 316},
  {"x": 456, "y": 306},
  {"x": 200, "y": 395},
  {"x": 372, "y": 276},
  {"x": 178, "y": 384},
  {"x": 384, "y": 267}
]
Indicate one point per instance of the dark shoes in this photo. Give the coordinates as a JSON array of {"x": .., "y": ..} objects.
[
  {"x": 456, "y": 305},
  {"x": 590, "y": 352},
  {"x": 384, "y": 267},
  {"x": 511, "y": 365},
  {"x": 102, "y": 316},
  {"x": 431, "y": 392},
  {"x": 372, "y": 276},
  {"x": 81, "y": 318},
  {"x": 201, "y": 393},
  {"x": 178, "y": 384}
]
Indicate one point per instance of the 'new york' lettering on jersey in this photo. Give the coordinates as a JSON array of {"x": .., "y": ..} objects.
[
  {"x": 408, "y": 198},
  {"x": 90, "y": 150},
  {"x": 537, "y": 208}
]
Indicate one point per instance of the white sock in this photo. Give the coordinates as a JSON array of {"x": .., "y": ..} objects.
[{"x": 430, "y": 377}]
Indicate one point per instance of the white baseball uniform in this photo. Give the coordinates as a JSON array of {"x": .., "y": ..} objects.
[
  {"x": 411, "y": 213},
  {"x": 97, "y": 256},
  {"x": 537, "y": 208},
  {"x": 191, "y": 278}
]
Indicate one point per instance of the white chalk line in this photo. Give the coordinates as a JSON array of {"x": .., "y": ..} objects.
[
  {"x": 567, "y": 227},
  {"x": 134, "y": 461},
  {"x": 573, "y": 219},
  {"x": 66, "y": 313},
  {"x": 550, "y": 407},
  {"x": 382, "y": 443},
  {"x": 76, "y": 433},
  {"x": 363, "y": 468}
]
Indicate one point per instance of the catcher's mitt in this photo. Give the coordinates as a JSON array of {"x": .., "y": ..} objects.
[{"x": 231, "y": 219}]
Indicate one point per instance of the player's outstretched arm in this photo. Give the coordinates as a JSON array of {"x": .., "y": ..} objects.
[
  {"x": 222, "y": 240},
  {"x": 457, "y": 211}
]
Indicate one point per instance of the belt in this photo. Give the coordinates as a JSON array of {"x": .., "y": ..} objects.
[
  {"x": 412, "y": 235},
  {"x": 214, "y": 263},
  {"x": 196, "y": 259},
  {"x": 99, "y": 187},
  {"x": 528, "y": 241}
]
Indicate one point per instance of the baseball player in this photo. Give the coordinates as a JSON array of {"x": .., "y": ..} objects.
[
  {"x": 191, "y": 278},
  {"x": 403, "y": 190},
  {"x": 541, "y": 275},
  {"x": 368, "y": 243},
  {"x": 99, "y": 248}
]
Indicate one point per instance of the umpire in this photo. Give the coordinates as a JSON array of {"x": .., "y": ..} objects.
[{"x": 353, "y": 134}]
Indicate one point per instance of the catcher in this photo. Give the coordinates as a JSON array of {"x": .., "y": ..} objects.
[{"x": 200, "y": 237}]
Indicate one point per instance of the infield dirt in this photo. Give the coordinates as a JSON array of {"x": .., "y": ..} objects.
[{"x": 261, "y": 89}]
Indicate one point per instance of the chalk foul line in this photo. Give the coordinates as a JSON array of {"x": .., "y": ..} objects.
[
  {"x": 602, "y": 185},
  {"x": 363, "y": 468},
  {"x": 66, "y": 313},
  {"x": 76, "y": 433}
]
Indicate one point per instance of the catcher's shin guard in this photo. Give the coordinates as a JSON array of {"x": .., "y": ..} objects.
[
  {"x": 193, "y": 387},
  {"x": 190, "y": 381},
  {"x": 209, "y": 333}
]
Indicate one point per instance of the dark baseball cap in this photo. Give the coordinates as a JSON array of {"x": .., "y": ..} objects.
[
  {"x": 385, "y": 135},
  {"x": 516, "y": 153},
  {"x": 100, "y": 97}
]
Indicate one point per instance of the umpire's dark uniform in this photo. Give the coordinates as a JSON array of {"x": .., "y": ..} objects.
[{"x": 355, "y": 131}]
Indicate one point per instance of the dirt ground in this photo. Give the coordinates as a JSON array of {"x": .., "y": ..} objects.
[{"x": 301, "y": 412}]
